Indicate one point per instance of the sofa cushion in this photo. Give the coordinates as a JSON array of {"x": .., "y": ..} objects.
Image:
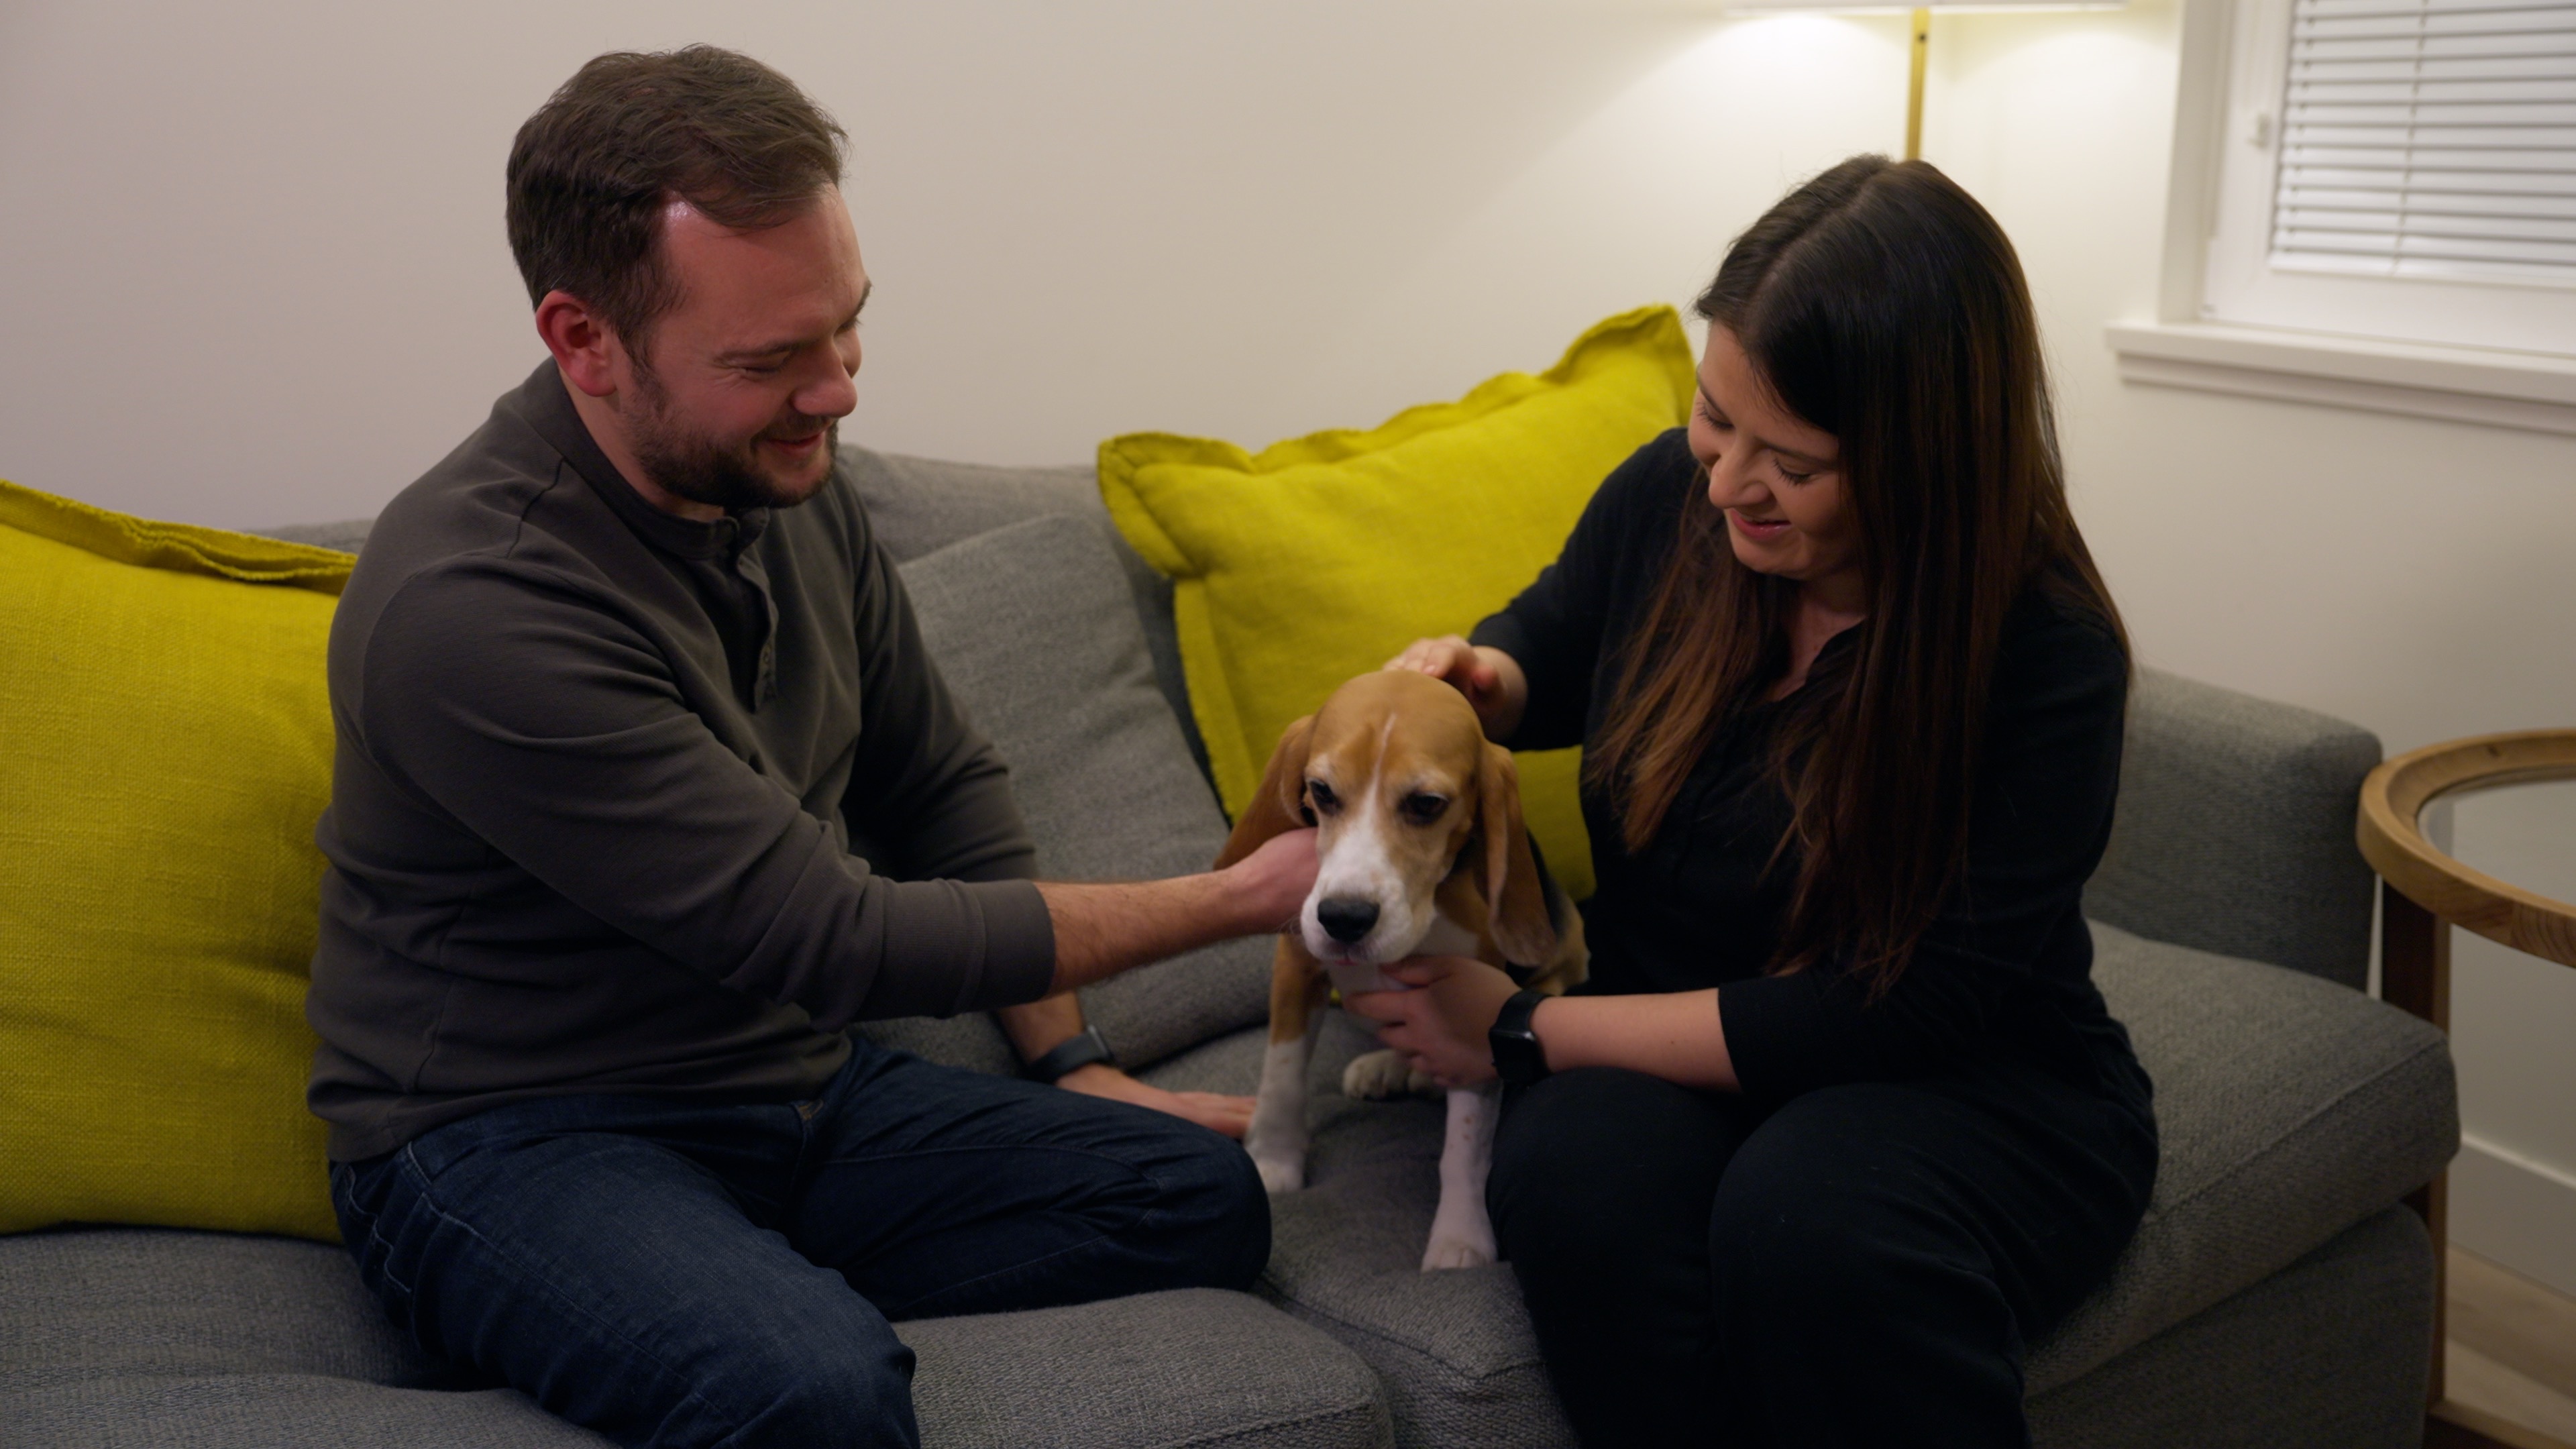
[
  {"x": 1320, "y": 557},
  {"x": 921, "y": 505},
  {"x": 2329, "y": 1353},
  {"x": 2290, "y": 1109},
  {"x": 1036, "y": 634},
  {"x": 132, "y": 1336},
  {"x": 84, "y": 1304},
  {"x": 280, "y": 1411},
  {"x": 1192, "y": 1367},
  {"x": 167, "y": 750},
  {"x": 1454, "y": 1347}
]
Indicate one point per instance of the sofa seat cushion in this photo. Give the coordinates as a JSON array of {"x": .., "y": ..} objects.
[
  {"x": 2329, "y": 1353},
  {"x": 120, "y": 1336},
  {"x": 86, "y": 1304},
  {"x": 1191, "y": 1367},
  {"x": 1454, "y": 1348},
  {"x": 2290, "y": 1109},
  {"x": 281, "y": 1411}
]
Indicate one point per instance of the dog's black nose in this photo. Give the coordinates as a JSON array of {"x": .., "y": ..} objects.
[{"x": 1345, "y": 918}]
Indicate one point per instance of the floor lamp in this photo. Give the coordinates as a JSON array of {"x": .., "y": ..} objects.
[{"x": 1919, "y": 28}]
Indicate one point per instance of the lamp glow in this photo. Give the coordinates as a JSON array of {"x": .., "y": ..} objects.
[{"x": 1921, "y": 28}]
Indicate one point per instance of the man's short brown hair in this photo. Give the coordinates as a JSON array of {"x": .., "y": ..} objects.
[{"x": 594, "y": 168}]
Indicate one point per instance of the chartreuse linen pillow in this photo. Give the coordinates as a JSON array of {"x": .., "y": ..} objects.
[
  {"x": 165, "y": 748},
  {"x": 1318, "y": 558}
]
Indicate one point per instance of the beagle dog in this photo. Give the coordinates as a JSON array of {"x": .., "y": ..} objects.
[{"x": 1422, "y": 851}]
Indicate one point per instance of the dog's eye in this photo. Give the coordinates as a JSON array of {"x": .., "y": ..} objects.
[
  {"x": 1322, "y": 797},
  {"x": 1423, "y": 807}
]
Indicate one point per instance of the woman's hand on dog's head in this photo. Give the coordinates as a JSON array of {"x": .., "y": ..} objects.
[
  {"x": 1440, "y": 1026},
  {"x": 1491, "y": 679}
]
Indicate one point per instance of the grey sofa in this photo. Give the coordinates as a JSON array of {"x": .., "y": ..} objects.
[{"x": 2278, "y": 1294}]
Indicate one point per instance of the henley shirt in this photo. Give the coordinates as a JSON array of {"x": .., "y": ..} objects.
[{"x": 627, "y": 803}]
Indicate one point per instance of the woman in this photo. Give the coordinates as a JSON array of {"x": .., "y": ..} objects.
[{"x": 1840, "y": 1124}]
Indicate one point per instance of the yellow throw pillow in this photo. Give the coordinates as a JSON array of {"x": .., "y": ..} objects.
[
  {"x": 1318, "y": 558},
  {"x": 165, "y": 748}
]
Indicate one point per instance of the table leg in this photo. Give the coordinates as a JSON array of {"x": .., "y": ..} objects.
[{"x": 2415, "y": 976}]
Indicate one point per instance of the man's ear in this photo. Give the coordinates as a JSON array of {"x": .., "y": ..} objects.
[
  {"x": 1279, "y": 805},
  {"x": 1513, "y": 894},
  {"x": 586, "y": 349}
]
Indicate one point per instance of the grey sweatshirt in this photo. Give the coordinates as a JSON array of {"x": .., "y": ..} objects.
[{"x": 625, "y": 803}]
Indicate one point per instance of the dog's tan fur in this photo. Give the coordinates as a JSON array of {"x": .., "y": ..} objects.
[{"x": 1363, "y": 769}]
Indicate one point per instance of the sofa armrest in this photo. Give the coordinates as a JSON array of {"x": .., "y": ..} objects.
[{"x": 2234, "y": 831}]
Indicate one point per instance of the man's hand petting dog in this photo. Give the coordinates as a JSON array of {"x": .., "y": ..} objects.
[
  {"x": 1273, "y": 881},
  {"x": 1229, "y": 1115},
  {"x": 1440, "y": 1025}
]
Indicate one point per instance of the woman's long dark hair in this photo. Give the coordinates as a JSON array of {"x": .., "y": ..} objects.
[{"x": 1883, "y": 305}]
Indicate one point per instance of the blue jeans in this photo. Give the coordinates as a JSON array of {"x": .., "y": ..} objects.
[{"x": 678, "y": 1274}]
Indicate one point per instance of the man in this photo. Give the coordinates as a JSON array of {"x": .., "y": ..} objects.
[{"x": 645, "y": 790}]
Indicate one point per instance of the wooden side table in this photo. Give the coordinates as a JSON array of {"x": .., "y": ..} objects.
[{"x": 2423, "y": 893}]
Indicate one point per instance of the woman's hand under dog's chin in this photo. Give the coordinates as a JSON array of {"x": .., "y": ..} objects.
[{"x": 1440, "y": 1026}]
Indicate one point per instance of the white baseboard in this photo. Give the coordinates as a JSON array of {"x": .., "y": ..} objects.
[{"x": 2515, "y": 1212}]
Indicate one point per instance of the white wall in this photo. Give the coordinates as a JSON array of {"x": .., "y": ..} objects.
[
  {"x": 254, "y": 266},
  {"x": 2411, "y": 575},
  {"x": 252, "y": 271}
]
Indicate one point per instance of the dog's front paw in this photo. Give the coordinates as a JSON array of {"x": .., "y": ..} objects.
[
  {"x": 1280, "y": 1174},
  {"x": 1457, "y": 1250},
  {"x": 1375, "y": 1076}
]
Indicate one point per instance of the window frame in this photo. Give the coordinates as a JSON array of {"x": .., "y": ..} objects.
[
  {"x": 2243, "y": 286},
  {"x": 2181, "y": 346}
]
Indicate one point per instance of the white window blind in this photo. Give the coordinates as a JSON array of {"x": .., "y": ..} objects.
[{"x": 2429, "y": 138}]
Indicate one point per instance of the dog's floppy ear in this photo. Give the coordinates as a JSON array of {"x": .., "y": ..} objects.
[
  {"x": 1513, "y": 892},
  {"x": 1279, "y": 805}
]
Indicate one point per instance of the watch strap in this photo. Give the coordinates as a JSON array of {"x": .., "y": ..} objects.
[
  {"x": 1518, "y": 1058},
  {"x": 1079, "y": 1050}
]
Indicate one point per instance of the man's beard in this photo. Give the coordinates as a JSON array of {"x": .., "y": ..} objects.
[{"x": 702, "y": 470}]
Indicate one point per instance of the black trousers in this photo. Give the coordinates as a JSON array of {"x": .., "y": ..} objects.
[{"x": 1861, "y": 1266}]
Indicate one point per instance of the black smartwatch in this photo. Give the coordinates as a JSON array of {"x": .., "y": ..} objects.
[
  {"x": 1518, "y": 1058},
  {"x": 1080, "y": 1050}
]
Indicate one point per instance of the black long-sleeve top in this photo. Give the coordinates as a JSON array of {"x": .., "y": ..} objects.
[
  {"x": 628, "y": 803},
  {"x": 2004, "y": 972}
]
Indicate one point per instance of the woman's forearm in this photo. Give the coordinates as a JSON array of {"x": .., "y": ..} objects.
[{"x": 1678, "y": 1037}]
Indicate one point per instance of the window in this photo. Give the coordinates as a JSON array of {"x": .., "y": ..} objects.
[{"x": 2399, "y": 169}]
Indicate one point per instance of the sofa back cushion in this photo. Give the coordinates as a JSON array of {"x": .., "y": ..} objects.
[
  {"x": 167, "y": 750},
  {"x": 1034, "y": 627},
  {"x": 920, "y": 505}
]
